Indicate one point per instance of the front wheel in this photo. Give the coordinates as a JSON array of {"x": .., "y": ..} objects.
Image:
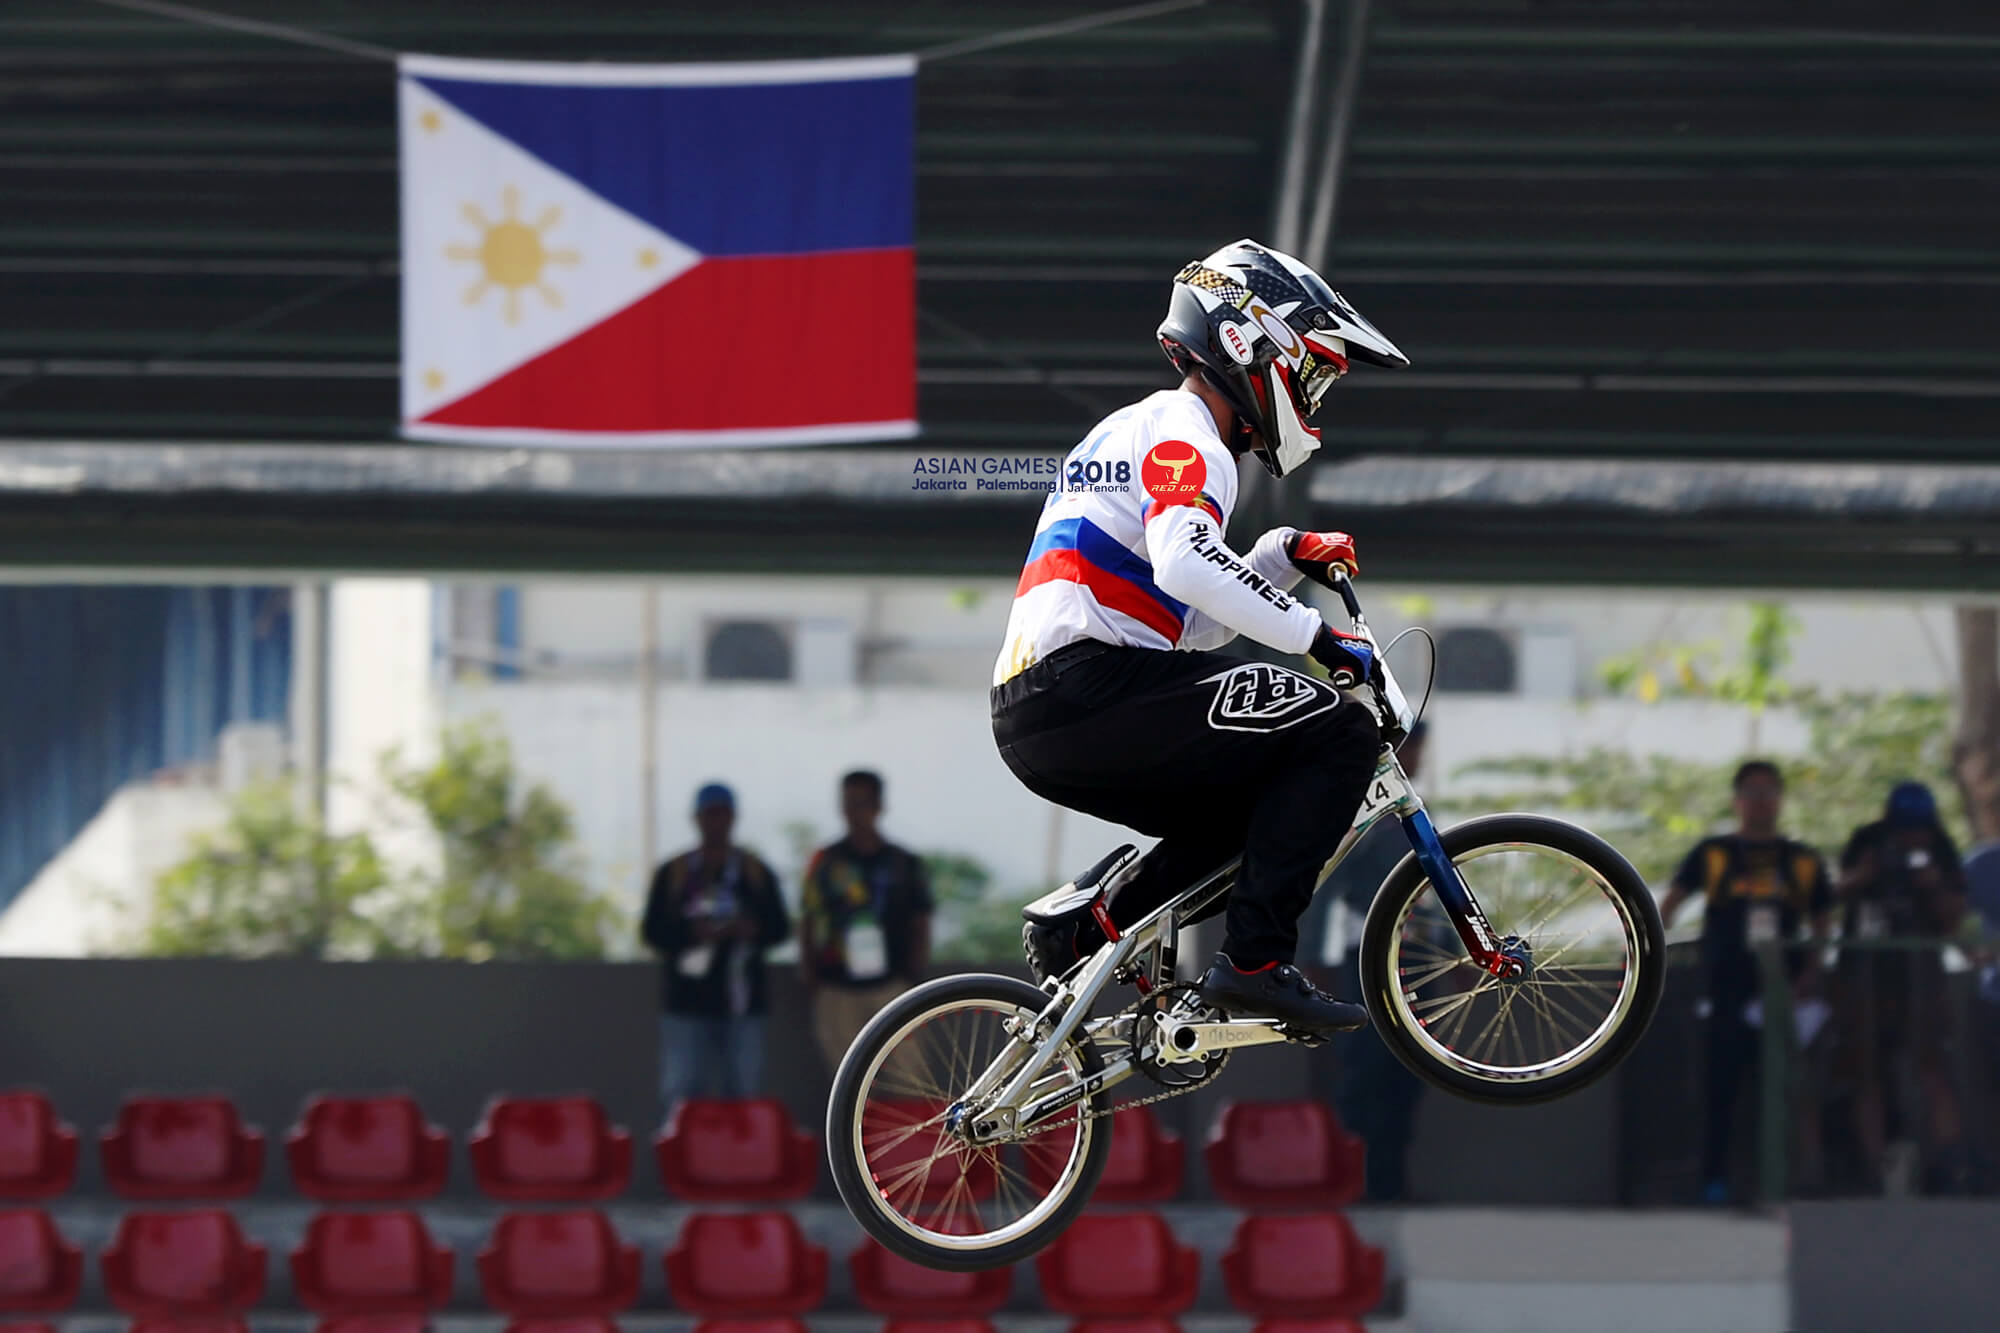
[
  {"x": 919, "y": 1185},
  {"x": 1559, "y": 898}
]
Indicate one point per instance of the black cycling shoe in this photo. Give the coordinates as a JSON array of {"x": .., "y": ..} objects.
[
  {"x": 1050, "y": 949},
  {"x": 1281, "y": 992}
]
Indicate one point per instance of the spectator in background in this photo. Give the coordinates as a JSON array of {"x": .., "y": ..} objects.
[
  {"x": 1374, "y": 1092},
  {"x": 1900, "y": 879},
  {"x": 1982, "y": 895},
  {"x": 712, "y": 913},
  {"x": 865, "y": 921},
  {"x": 1759, "y": 887}
]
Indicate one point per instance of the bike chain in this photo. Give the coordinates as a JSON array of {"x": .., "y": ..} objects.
[{"x": 1084, "y": 1112}]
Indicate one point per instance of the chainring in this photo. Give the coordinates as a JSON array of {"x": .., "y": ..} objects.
[{"x": 1178, "y": 1076}]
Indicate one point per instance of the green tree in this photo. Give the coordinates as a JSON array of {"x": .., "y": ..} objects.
[
  {"x": 987, "y": 929},
  {"x": 1654, "y": 807},
  {"x": 270, "y": 883},
  {"x": 507, "y": 884}
]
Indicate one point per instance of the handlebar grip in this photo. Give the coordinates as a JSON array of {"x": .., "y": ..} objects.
[{"x": 1345, "y": 587}]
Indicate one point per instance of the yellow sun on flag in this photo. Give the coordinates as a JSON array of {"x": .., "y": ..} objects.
[{"x": 512, "y": 254}]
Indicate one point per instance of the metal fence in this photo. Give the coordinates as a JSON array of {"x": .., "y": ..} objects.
[{"x": 1881, "y": 1073}]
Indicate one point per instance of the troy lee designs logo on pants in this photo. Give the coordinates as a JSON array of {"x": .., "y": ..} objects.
[{"x": 1260, "y": 697}]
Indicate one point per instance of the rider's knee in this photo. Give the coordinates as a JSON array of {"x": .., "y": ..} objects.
[
  {"x": 1353, "y": 725},
  {"x": 1344, "y": 739}
]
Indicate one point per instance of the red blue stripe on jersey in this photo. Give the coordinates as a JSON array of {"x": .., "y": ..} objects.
[{"x": 1075, "y": 550}]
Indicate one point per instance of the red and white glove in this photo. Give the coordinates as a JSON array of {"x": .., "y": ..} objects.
[{"x": 1318, "y": 554}]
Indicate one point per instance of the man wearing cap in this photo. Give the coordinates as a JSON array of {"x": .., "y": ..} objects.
[
  {"x": 1901, "y": 879},
  {"x": 711, "y": 914}
]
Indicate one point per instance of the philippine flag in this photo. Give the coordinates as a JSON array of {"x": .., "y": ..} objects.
[{"x": 627, "y": 255}]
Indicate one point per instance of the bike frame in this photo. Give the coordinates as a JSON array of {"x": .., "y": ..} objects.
[{"x": 1008, "y": 1090}]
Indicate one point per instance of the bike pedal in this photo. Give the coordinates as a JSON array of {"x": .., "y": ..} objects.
[{"x": 1304, "y": 1037}]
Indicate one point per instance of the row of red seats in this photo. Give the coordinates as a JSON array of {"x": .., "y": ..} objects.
[
  {"x": 554, "y": 1264},
  {"x": 421, "y": 1324},
  {"x": 382, "y": 1149},
  {"x": 1260, "y": 1155}
]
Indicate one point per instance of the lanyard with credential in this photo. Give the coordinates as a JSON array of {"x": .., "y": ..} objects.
[{"x": 732, "y": 872}]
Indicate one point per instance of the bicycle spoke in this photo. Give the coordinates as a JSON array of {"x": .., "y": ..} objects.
[
  {"x": 934, "y": 1182},
  {"x": 1435, "y": 971},
  {"x": 1576, "y": 944}
]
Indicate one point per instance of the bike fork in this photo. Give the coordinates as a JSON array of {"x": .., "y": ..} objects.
[{"x": 1474, "y": 931}]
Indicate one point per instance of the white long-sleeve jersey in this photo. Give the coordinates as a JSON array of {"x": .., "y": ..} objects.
[{"x": 1130, "y": 548}]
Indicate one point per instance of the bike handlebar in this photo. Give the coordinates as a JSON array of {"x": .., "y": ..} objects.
[{"x": 1345, "y": 587}]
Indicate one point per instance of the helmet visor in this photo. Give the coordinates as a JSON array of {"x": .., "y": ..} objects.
[{"x": 1316, "y": 374}]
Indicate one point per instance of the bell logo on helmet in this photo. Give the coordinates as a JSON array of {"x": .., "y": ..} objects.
[
  {"x": 1174, "y": 473},
  {"x": 1237, "y": 345}
]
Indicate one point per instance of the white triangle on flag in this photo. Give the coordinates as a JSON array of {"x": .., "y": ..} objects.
[{"x": 504, "y": 257}]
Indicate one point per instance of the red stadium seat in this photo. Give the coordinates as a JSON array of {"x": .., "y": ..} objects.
[
  {"x": 412, "y": 1322},
  {"x": 181, "y": 1148},
  {"x": 367, "y": 1149},
  {"x": 745, "y": 1264},
  {"x": 370, "y": 1263},
  {"x": 172, "y": 1265},
  {"x": 935, "y": 1326},
  {"x": 1273, "y": 1156},
  {"x": 212, "y": 1323},
  {"x": 900, "y": 1135},
  {"x": 889, "y": 1284},
  {"x": 1109, "y": 1264},
  {"x": 751, "y": 1326},
  {"x": 735, "y": 1152},
  {"x": 1310, "y": 1265},
  {"x": 1125, "y": 1326},
  {"x": 553, "y": 1148},
  {"x": 39, "y": 1270},
  {"x": 568, "y": 1324},
  {"x": 27, "y": 1328},
  {"x": 37, "y": 1151},
  {"x": 1146, "y": 1163},
  {"x": 1309, "y": 1326},
  {"x": 558, "y": 1264}
]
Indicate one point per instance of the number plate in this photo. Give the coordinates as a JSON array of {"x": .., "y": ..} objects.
[{"x": 1386, "y": 790}]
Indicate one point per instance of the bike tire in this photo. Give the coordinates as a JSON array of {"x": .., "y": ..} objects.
[
  {"x": 845, "y": 1108},
  {"x": 1408, "y": 880}
]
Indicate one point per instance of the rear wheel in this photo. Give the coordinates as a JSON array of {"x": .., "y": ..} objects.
[
  {"x": 1563, "y": 901},
  {"x": 894, "y": 1136}
]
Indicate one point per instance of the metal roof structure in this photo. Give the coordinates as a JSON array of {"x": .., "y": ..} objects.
[
  {"x": 274, "y": 508},
  {"x": 1641, "y": 231}
]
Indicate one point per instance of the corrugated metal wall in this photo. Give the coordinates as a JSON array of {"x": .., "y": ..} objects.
[{"x": 102, "y": 684}]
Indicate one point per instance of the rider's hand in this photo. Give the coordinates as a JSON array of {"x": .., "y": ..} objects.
[
  {"x": 1349, "y": 659},
  {"x": 1318, "y": 554}
]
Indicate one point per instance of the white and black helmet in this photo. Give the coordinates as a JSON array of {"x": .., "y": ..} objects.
[{"x": 1271, "y": 336}]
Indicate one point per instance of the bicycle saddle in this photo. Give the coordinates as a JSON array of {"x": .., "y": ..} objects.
[{"x": 1074, "y": 899}]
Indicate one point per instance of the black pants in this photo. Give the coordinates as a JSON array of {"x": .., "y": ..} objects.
[
  {"x": 1213, "y": 755},
  {"x": 1733, "y": 1049},
  {"x": 1376, "y": 1095}
]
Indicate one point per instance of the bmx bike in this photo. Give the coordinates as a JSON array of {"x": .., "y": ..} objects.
[{"x": 971, "y": 1118}]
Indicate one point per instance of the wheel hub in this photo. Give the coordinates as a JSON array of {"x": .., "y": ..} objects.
[{"x": 1515, "y": 961}]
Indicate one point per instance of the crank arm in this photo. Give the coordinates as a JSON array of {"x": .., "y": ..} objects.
[{"x": 1183, "y": 1042}]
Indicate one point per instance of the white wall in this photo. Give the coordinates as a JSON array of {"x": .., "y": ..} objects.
[
  {"x": 381, "y": 696},
  {"x": 919, "y": 630},
  {"x": 783, "y": 750},
  {"x": 84, "y": 901},
  {"x": 918, "y": 713}
]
